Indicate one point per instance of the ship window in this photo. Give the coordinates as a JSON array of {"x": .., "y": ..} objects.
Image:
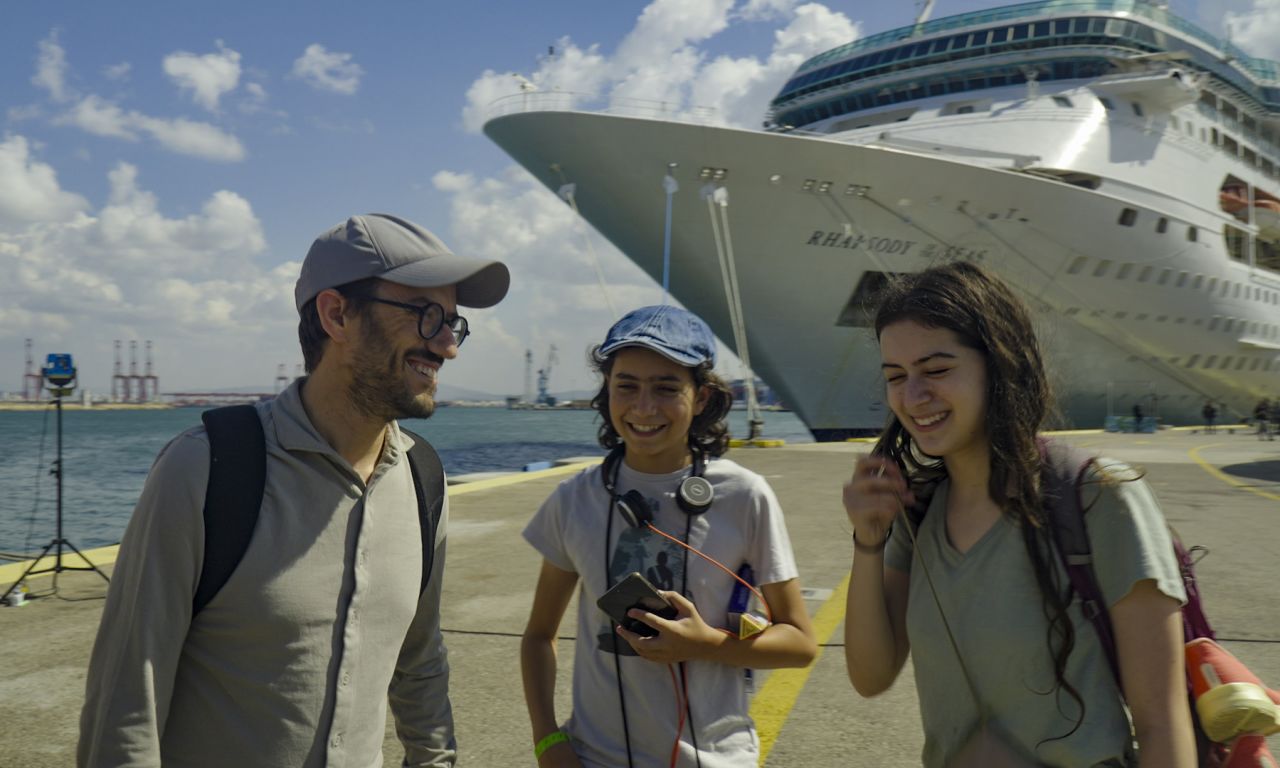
[
  {"x": 1256, "y": 362},
  {"x": 1020, "y": 32},
  {"x": 1173, "y": 123},
  {"x": 1137, "y": 108},
  {"x": 1162, "y": 225},
  {"x": 1180, "y": 320},
  {"x": 1062, "y": 27},
  {"x": 1042, "y": 29},
  {"x": 1072, "y": 311},
  {"x": 1141, "y": 316},
  {"x": 1107, "y": 103},
  {"x": 1124, "y": 271},
  {"x": 1191, "y": 361},
  {"x": 964, "y": 110},
  {"x": 1127, "y": 217},
  {"x": 1102, "y": 268},
  {"x": 1213, "y": 283},
  {"x": 1190, "y": 128},
  {"x": 1226, "y": 361},
  {"x": 1076, "y": 265},
  {"x": 999, "y": 35},
  {"x": 1192, "y": 235},
  {"x": 1161, "y": 318},
  {"x": 1182, "y": 279},
  {"x": 1120, "y": 315},
  {"x": 1146, "y": 273},
  {"x": 1213, "y": 323},
  {"x": 1097, "y": 26},
  {"x": 1195, "y": 284},
  {"x": 1062, "y": 101},
  {"x": 1164, "y": 276},
  {"x": 1227, "y": 323},
  {"x": 1226, "y": 287},
  {"x": 1210, "y": 360}
]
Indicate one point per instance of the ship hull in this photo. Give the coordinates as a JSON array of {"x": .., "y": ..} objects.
[{"x": 809, "y": 220}]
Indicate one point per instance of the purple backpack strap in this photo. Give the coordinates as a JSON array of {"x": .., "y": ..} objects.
[{"x": 1062, "y": 473}]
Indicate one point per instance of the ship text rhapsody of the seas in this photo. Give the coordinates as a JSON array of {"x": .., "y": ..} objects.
[{"x": 1117, "y": 164}]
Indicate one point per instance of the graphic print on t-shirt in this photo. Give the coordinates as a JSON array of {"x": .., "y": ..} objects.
[{"x": 657, "y": 558}]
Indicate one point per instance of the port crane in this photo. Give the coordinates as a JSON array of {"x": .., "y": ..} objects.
[{"x": 544, "y": 378}]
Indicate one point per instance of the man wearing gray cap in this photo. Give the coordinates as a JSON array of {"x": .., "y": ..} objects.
[{"x": 325, "y": 612}]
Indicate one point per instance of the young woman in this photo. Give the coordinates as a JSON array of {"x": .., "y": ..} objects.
[
  {"x": 680, "y": 696},
  {"x": 967, "y": 393}
]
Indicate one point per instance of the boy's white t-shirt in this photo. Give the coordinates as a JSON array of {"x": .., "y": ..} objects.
[{"x": 743, "y": 526}]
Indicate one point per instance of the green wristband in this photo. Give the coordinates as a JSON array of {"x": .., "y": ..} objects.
[{"x": 549, "y": 741}]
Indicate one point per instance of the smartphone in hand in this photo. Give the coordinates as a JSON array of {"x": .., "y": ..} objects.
[{"x": 635, "y": 591}]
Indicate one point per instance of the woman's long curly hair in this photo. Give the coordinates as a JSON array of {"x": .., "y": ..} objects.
[
  {"x": 708, "y": 433},
  {"x": 986, "y": 316}
]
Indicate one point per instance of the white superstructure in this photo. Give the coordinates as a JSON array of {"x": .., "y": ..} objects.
[{"x": 1115, "y": 163}]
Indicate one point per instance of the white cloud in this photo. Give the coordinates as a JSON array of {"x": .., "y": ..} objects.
[
  {"x": 180, "y": 135},
  {"x": 328, "y": 71},
  {"x": 659, "y": 64},
  {"x": 207, "y": 76},
  {"x": 51, "y": 69},
  {"x": 513, "y": 217},
  {"x": 29, "y": 190},
  {"x": 76, "y": 278},
  {"x": 117, "y": 72},
  {"x": 1258, "y": 29}
]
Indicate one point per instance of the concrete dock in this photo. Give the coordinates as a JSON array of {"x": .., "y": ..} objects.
[{"x": 1221, "y": 491}]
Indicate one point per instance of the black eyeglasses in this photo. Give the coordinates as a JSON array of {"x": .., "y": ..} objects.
[{"x": 431, "y": 319}]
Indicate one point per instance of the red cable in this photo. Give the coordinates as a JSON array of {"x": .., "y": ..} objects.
[
  {"x": 675, "y": 748},
  {"x": 716, "y": 563}
]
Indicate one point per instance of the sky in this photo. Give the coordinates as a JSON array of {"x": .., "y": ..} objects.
[{"x": 165, "y": 166}]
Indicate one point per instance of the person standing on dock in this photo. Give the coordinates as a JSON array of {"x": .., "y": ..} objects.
[
  {"x": 665, "y": 691},
  {"x": 954, "y": 564},
  {"x": 1210, "y": 414},
  {"x": 326, "y": 615}
]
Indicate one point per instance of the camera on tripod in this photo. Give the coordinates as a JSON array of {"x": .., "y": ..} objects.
[{"x": 59, "y": 374}]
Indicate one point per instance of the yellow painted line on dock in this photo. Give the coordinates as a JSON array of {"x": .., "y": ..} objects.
[
  {"x": 519, "y": 477},
  {"x": 771, "y": 707},
  {"x": 101, "y": 556},
  {"x": 1194, "y": 453}
]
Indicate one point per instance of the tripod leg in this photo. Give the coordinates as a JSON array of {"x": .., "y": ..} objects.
[
  {"x": 91, "y": 567},
  {"x": 31, "y": 569}
]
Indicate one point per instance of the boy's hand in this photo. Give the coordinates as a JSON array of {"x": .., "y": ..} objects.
[{"x": 684, "y": 638}]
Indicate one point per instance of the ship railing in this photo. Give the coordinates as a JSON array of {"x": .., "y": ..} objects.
[
  {"x": 1264, "y": 69},
  {"x": 569, "y": 101}
]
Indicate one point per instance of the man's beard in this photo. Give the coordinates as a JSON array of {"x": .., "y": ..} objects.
[{"x": 378, "y": 382}]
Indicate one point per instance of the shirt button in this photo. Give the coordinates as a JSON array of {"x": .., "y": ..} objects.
[
  {"x": 336, "y": 741},
  {"x": 346, "y": 678},
  {"x": 362, "y": 557}
]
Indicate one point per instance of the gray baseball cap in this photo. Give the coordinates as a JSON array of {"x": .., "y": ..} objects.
[{"x": 399, "y": 251}]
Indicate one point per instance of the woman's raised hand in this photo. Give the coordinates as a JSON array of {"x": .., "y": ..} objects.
[{"x": 873, "y": 498}]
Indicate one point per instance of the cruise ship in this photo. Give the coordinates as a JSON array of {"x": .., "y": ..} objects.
[{"x": 1116, "y": 163}]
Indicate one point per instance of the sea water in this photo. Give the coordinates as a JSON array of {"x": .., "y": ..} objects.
[{"x": 107, "y": 453}]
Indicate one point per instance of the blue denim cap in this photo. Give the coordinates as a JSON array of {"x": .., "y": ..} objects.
[{"x": 676, "y": 334}]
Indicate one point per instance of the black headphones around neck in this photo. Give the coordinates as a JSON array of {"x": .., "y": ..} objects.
[{"x": 693, "y": 496}]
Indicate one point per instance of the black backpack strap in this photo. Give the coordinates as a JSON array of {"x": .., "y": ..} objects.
[
  {"x": 428, "y": 484},
  {"x": 237, "y": 480},
  {"x": 1062, "y": 474}
]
